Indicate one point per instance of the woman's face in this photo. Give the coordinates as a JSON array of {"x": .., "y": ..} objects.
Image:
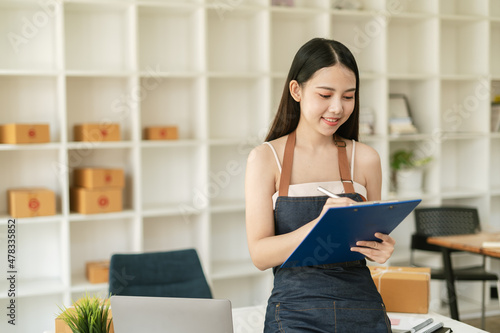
[{"x": 326, "y": 99}]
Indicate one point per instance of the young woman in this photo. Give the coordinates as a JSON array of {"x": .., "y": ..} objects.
[{"x": 312, "y": 143}]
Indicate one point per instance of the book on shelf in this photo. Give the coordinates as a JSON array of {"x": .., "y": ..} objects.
[{"x": 495, "y": 117}]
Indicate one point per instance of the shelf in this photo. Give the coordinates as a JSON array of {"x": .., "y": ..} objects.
[
  {"x": 125, "y": 214},
  {"x": 460, "y": 193},
  {"x": 409, "y": 137},
  {"x": 98, "y": 73},
  {"x": 30, "y": 288},
  {"x": 163, "y": 29},
  {"x": 86, "y": 145},
  {"x": 232, "y": 116},
  {"x": 32, "y": 220},
  {"x": 24, "y": 37},
  {"x": 31, "y": 99},
  {"x": 28, "y": 147},
  {"x": 165, "y": 233},
  {"x": 97, "y": 36},
  {"x": 461, "y": 105},
  {"x": 240, "y": 32},
  {"x": 157, "y": 181},
  {"x": 170, "y": 143},
  {"x": 79, "y": 283},
  {"x": 460, "y": 19},
  {"x": 170, "y": 102},
  {"x": 29, "y": 72},
  {"x": 181, "y": 208},
  {"x": 463, "y": 7},
  {"x": 223, "y": 206},
  {"x": 459, "y": 42}
]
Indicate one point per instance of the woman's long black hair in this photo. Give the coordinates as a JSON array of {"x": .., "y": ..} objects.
[{"x": 315, "y": 54}]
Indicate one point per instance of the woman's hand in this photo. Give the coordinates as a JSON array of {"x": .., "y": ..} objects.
[
  {"x": 335, "y": 202},
  {"x": 379, "y": 252}
]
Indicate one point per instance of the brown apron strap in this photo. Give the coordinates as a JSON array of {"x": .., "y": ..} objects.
[
  {"x": 286, "y": 170},
  {"x": 345, "y": 171}
]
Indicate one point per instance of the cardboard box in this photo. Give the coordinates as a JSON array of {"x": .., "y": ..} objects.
[
  {"x": 98, "y": 178},
  {"x": 403, "y": 289},
  {"x": 97, "y": 271},
  {"x": 161, "y": 133},
  {"x": 95, "y": 201},
  {"x": 62, "y": 327},
  {"x": 24, "y": 133},
  {"x": 30, "y": 202},
  {"x": 97, "y": 132}
]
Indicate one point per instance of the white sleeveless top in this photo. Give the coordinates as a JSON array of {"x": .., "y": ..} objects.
[{"x": 310, "y": 189}]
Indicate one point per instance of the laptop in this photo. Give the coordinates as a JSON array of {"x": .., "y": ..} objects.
[{"x": 132, "y": 314}]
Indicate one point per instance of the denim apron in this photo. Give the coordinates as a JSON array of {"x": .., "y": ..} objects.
[{"x": 324, "y": 298}]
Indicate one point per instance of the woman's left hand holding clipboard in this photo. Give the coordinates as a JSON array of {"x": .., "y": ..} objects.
[{"x": 378, "y": 252}]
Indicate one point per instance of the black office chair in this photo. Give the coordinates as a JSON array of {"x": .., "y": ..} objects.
[
  {"x": 448, "y": 221},
  {"x": 162, "y": 274}
]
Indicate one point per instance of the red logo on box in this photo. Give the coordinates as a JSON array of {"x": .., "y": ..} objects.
[
  {"x": 103, "y": 201},
  {"x": 104, "y": 132},
  {"x": 34, "y": 204},
  {"x": 108, "y": 178},
  {"x": 163, "y": 132},
  {"x": 32, "y": 133}
]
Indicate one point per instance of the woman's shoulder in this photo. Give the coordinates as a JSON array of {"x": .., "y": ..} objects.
[
  {"x": 366, "y": 154},
  {"x": 263, "y": 151},
  {"x": 263, "y": 155}
]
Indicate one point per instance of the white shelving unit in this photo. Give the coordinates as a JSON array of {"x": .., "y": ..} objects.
[{"x": 216, "y": 70}]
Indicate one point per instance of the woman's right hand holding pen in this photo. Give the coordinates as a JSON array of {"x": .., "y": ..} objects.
[{"x": 333, "y": 201}]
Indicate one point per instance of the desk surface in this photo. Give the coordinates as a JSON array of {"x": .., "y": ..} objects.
[
  {"x": 251, "y": 320},
  {"x": 471, "y": 243}
]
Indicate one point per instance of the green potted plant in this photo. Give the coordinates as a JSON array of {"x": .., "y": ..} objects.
[
  {"x": 409, "y": 171},
  {"x": 89, "y": 314}
]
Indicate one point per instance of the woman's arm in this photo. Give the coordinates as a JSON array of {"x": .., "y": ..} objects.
[
  {"x": 368, "y": 164},
  {"x": 266, "y": 249}
]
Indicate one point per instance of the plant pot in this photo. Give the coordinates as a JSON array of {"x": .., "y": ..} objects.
[{"x": 409, "y": 182}]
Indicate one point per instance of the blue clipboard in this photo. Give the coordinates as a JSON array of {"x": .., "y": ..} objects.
[{"x": 340, "y": 228}]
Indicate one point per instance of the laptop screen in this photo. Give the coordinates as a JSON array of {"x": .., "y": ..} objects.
[{"x": 132, "y": 314}]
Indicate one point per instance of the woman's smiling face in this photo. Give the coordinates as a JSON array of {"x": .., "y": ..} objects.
[{"x": 326, "y": 99}]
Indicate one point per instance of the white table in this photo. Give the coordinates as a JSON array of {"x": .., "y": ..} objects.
[{"x": 251, "y": 320}]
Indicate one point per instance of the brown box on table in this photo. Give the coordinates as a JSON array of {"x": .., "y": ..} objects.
[
  {"x": 161, "y": 133},
  {"x": 97, "y": 132},
  {"x": 403, "y": 289},
  {"x": 24, "y": 133},
  {"x": 95, "y": 201},
  {"x": 98, "y": 178},
  {"x": 97, "y": 271},
  {"x": 31, "y": 202}
]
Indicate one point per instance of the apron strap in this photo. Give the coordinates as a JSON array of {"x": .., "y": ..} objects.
[
  {"x": 345, "y": 171},
  {"x": 286, "y": 170}
]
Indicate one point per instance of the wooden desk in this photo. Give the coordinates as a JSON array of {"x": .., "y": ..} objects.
[{"x": 470, "y": 243}]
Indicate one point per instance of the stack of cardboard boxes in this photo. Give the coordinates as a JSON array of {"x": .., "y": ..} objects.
[{"x": 97, "y": 190}]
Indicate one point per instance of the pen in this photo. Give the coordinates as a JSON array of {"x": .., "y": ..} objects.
[{"x": 325, "y": 191}]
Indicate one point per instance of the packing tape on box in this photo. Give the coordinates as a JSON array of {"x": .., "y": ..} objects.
[{"x": 378, "y": 274}]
